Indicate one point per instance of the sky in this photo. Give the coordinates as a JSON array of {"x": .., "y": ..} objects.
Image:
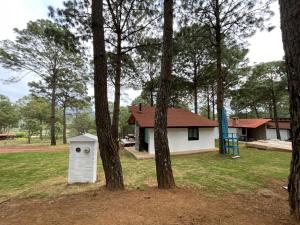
[{"x": 263, "y": 46}]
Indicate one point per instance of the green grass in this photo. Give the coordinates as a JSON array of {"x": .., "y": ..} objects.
[
  {"x": 23, "y": 142},
  {"x": 45, "y": 174}
]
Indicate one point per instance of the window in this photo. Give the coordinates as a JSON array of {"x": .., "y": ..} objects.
[
  {"x": 193, "y": 133},
  {"x": 244, "y": 131}
]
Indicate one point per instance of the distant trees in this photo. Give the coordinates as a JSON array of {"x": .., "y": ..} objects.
[
  {"x": 125, "y": 22},
  {"x": 83, "y": 122},
  {"x": 71, "y": 91},
  {"x": 192, "y": 58},
  {"x": 290, "y": 23},
  {"x": 228, "y": 21},
  {"x": 48, "y": 50},
  {"x": 268, "y": 82},
  {"x": 164, "y": 171},
  {"x": 8, "y": 114},
  {"x": 147, "y": 62},
  {"x": 34, "y": 113}
]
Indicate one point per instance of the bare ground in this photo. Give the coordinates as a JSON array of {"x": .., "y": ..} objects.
[
  {"x": 151, "y": 206},
  {"x": 35, "y": 148}
]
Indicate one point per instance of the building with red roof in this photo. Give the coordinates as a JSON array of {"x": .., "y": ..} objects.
[
  {"x": 186, "y": 131},
  {"x": 257, "y": 129}
]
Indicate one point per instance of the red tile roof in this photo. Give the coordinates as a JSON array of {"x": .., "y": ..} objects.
[
  {"x": 176, "y": 118},
  {"x": 282, "y": 125},
  {"x": 247, "y": 123}
]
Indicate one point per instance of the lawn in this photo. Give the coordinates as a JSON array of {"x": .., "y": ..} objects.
[
  {"x": 23, "y": 142},
  {"x": 45, "y": 174}
]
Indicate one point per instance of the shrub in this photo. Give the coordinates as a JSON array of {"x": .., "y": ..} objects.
[{"x": 21, "y": 134}]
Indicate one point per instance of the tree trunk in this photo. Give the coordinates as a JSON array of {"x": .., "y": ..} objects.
[
  {"x": 64, "y": 125},
  {"x": 29, "y": 137},
  {"x": 41, "y": 130},
  {"x": 195, "y": 99},
  {"x": 275, "y": 115},
  {"x": 220, "y": 76},
  {"x": 208, "y": 103},
  {"x": 164, "y": 172},
  {"x": 270, "y": 111},
  {"x": 108, "y": 150},
  {"x": 116, "y": 112},
  {"x": 53, "y": 117},
  {"x": 213, "y": 102},
  {"x": 256, "y": 110},
  {"x": 290, "y": 23},
  {"x": 195, "y": 84},
  {"x": 151, "y": 98}
]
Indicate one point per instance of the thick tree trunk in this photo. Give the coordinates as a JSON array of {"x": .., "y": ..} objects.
[
  {"x": 116, "y": 112},
  {"x": 290, "y": 24},
  {"x": 162, "y": 152},
  {"x": 108, "y": 150},
  {"x": 53, "y": 117},
  {"x": 64, "y": 125},
  {"x": 275, "y": 115},
  {"x": 220, "y": 76}
]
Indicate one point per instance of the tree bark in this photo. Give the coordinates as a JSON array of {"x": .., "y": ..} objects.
[
  {"x": 208, "y": 103},
  {"x": 108, "y": 150},
  {"x": 195, "y": 84},
  {"x": 116, "y": 111},
  {"x": 164, "y": 172},
  {"x": 270, "y": 111},
  {"x": 213, "y": 102},
  {"x": 195, "y": 99},
  {"x": 53, "y": 117},
  {"x": 290, "y": 24},
  {"x": 274, "y": 103},
  {"x": 64, "y": 125},
  {"x": 151, "y": 98},
  {"x": 256, "y": 110},
  {"x": 41, "y": 130},
  {"x": 220, "y": 76},
  {"x": 29, "y": 137}
]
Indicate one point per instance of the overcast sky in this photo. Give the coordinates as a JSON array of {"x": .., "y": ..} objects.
[{"x": 264, "y": 46}]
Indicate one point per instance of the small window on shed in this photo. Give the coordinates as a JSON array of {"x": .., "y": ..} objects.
[
  {"x": 193, "y": 133},
  {"x": 244, "y": 131}
]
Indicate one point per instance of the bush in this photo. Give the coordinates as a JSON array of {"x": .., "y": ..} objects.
[{"x": 21, "y": 135}]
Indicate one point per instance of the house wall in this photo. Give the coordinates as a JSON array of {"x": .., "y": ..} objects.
[
  {"x": 230, "y": 130},
  {"x": 178, "y": 140},
  {"x": 284, "y": 134},
  {"x": 137, "y": 137},
  {"x": 258, "y": 133}
]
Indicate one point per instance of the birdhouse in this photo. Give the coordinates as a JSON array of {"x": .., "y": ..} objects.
[{"x": 83, "y": 159}]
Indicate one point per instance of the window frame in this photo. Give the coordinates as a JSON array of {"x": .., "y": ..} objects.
[{"x": 195, "y": 133}]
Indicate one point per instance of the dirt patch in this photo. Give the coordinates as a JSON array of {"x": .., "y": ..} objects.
[
  {"x": 150, "y": 206},
  {"x": 35, "y": 148}
]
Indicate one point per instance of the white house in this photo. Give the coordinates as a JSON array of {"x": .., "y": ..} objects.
[
  {"x": 256, "y": 129},
  {"x": 186, "y": 131},
  {"x": 284, "y": 129}
]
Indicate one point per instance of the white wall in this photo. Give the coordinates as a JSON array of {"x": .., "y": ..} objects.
[
  {"x": 230, "y": 130},
  {"x": 284, "y": 134},
  {"x": 178, "y": 140}
]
